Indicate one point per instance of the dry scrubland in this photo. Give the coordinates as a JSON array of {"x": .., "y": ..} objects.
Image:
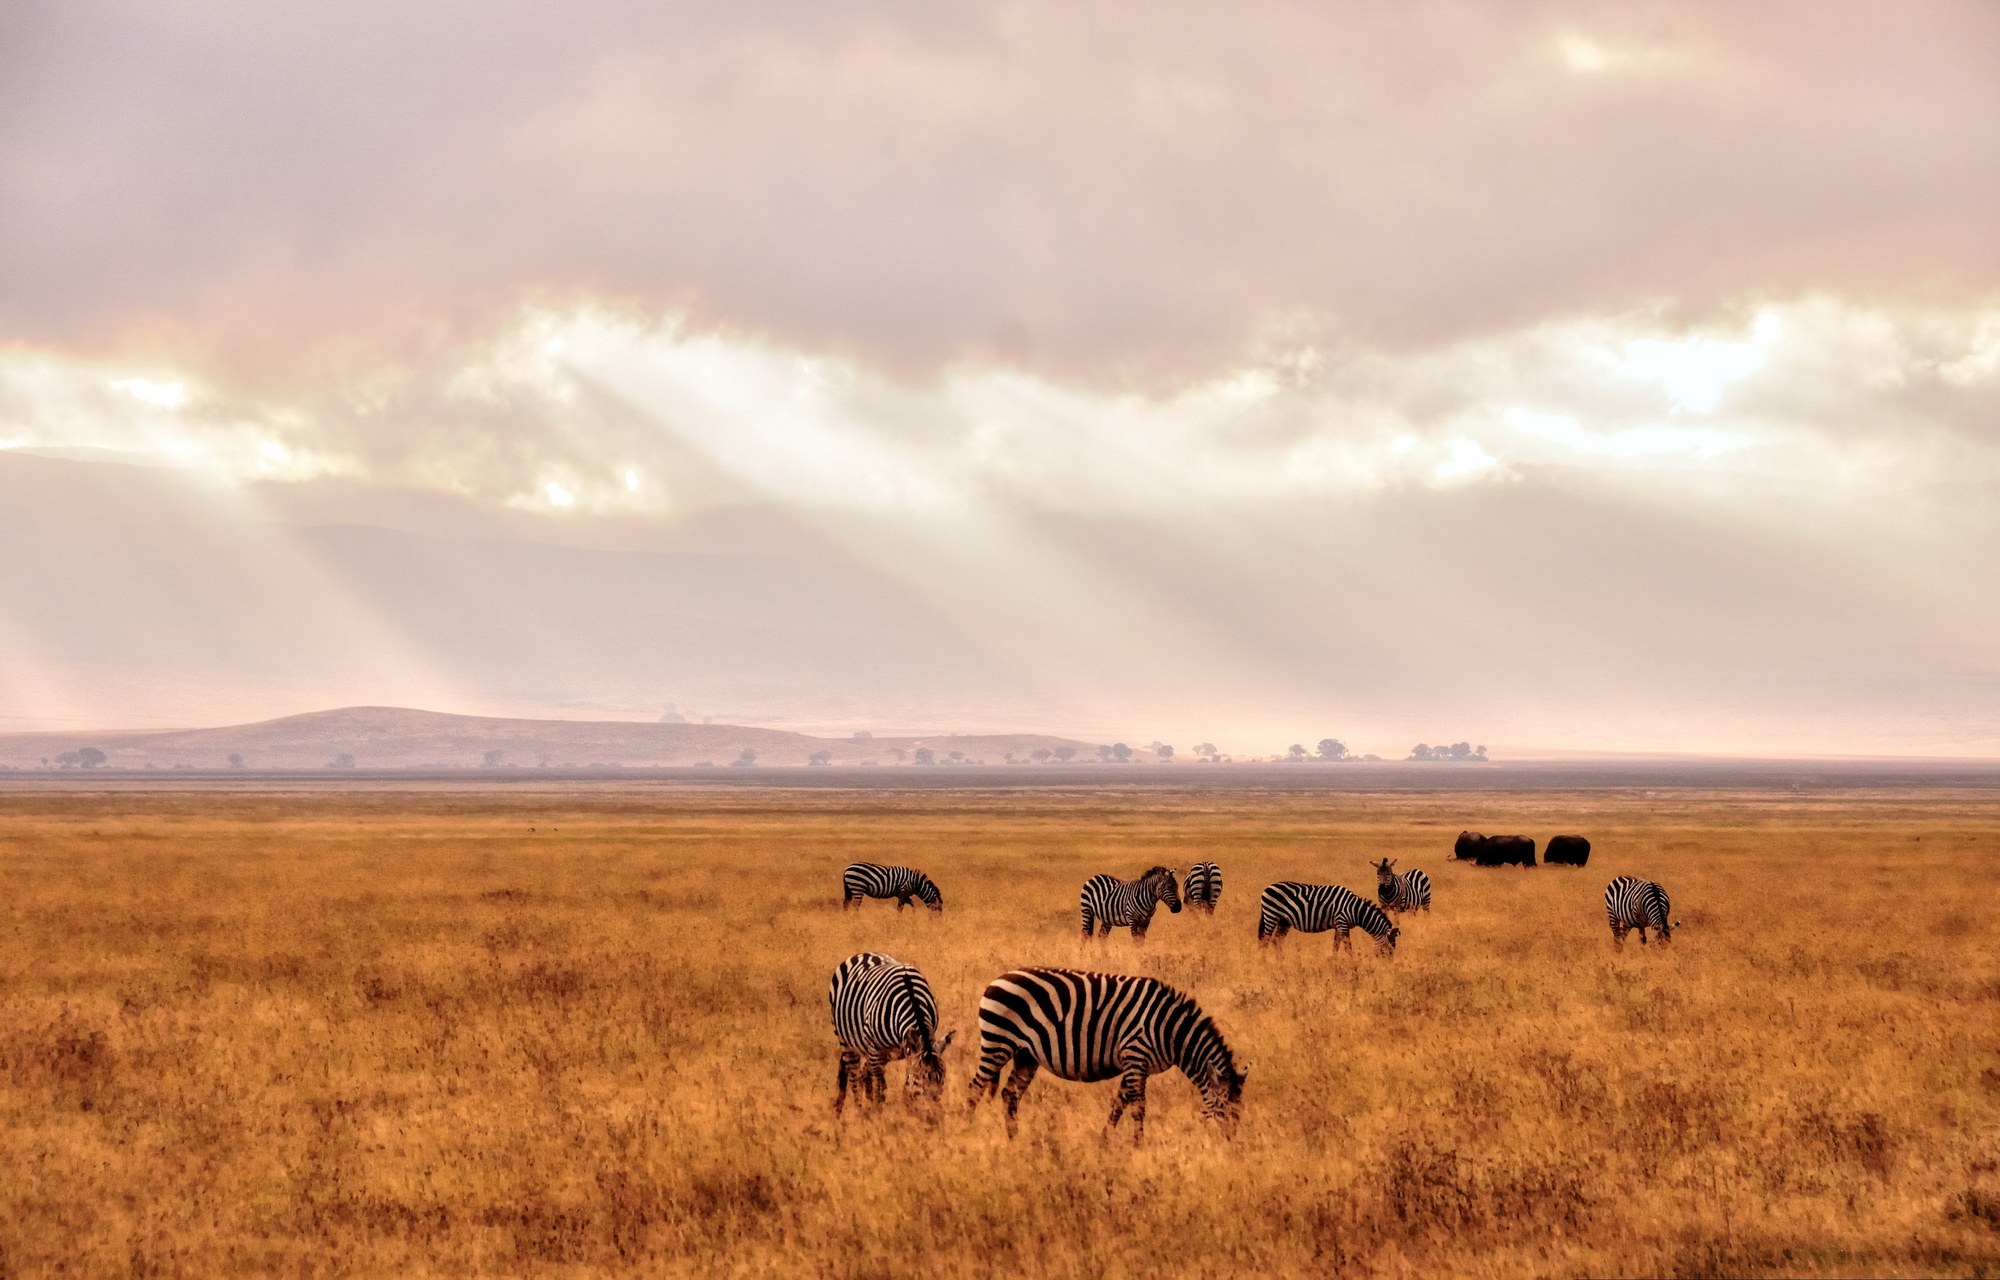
[{"x": 567, "y": 1035}]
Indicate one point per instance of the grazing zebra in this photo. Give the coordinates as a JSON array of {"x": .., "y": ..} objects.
[
  {"x": 1109, "y": 902},
  {"x": 1405, "y": 892},
  {"x": 867, "y": 879},
  {"x": 1315, "y": 908},
  {"x": 883, "y": 1010},
  {"x": 1204, "y": 885},
  {"x": 1094, "y": 1026},
  {"x": 1633, "y": 903}
]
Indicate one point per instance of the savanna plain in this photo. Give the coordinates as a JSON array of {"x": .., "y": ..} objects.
[{"x": 585, "y": 1033}]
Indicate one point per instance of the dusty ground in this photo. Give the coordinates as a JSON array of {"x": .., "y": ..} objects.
[{"x": 466, "y": 1034}]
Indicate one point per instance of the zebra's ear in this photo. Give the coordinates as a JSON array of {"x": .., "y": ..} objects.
[
  {"x": 949, "y": 1036},
  {"x": 1243, "y": 1072}
]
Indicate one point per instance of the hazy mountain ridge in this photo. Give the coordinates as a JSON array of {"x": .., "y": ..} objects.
[{"x": 401, "y": 738}]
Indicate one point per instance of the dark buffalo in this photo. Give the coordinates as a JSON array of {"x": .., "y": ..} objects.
[
  {"x": 1568, "y": 851},
  {"x": 1505, "y": 851},
  {"x": 1467, "y": 847}
]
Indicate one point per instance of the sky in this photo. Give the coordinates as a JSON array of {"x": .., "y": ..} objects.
[{"x": 1558, "y": 377}]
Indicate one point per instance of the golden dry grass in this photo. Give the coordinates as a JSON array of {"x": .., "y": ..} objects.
[{"x": 397, "y": 1034}]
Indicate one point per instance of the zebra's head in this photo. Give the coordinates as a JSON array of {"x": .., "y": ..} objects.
[
  {"x": 927, "y": 1069},
  {"x": 1383, "y": 874},
  {"x": 1166, "y": 887},
  {"x": 928, "y": 891},
  {"x": 1222, "y": 1094}
]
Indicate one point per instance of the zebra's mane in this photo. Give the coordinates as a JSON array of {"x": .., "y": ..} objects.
[{"x": 1157, "y": 871}]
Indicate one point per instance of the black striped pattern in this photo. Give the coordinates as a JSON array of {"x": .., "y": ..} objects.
[
  {"x": 1407, "y": 892},
  {"x": 1110, "y": 903},
  {"x": 1315, "y": 908},
  {"x": 870, "y": 880},
  {"x": 1632, "y": 903},
  {"x": 1204, "y": 886},
  {"x": 1096, "y": 1026},
  {"x": 883, "y": 1010}
]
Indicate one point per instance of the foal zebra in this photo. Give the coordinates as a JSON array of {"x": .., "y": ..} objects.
[
  {"x": 867, "y": 879},
  {"x": 1315, "y": 908},
  {"x": 1109, "y": 902},
  {"x": 883, "y": 1010},
  {"x": 1204, "y": 885},
  {"x": 1406, "y": 892},
  {"x": 1093, "y": 1026},
  {"x": 1633, "y": 903}
]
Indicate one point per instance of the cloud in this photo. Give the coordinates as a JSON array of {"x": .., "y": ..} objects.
[{"x": 1100, "y": 195}]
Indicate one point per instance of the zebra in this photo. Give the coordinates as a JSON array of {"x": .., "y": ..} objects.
[
  {"x": 1096, "y": 1026},
  {"x": 868, "y": 879},
  {"x": 1315, "y": 908},
  {"x": 883, "y": 1010},
  {"x": 1110, "y": 903},
  {"x": 1204, "y": 885},
  {"x": 1633, "y": 903},
  {"x": 1406, "y": 892}
]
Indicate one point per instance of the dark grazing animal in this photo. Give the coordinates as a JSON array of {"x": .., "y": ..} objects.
[
  {"x": 1094, "y": 1026},
  {"x": 1466, "y": 847},
  {"x": 1315, "y": 908},
  {"x": 883, "y": 1010},
  {"x": 1406, "y": 892},
  {"x": 870, "y": 880},
  {"x": 1203, "y": 888},
  {"x": 1505, "y": 851},
  {"x": 1567, "y": 851},
  {"x": 1109, "y": 902},
  {"x": 1633, "y": 903}
]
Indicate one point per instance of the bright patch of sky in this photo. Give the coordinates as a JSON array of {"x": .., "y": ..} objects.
[{"x": 588, "y": 413}]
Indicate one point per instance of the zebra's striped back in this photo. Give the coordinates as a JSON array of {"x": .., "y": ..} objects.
[
  {"x": 1632, "y": 903},
  {"x": 872, "y": 880},
  {"x": 883, "y": 1010},
  {"x": 1315, "y": 908},
  {"x": 1409, "y": 891},
  {"x": 1204, "y": 886},
  {"x": 1109, "y": 902},
  {"x": 1099, "y": 1026}
]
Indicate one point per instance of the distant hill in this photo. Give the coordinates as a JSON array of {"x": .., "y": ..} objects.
[{"x": 400, "y": 738}]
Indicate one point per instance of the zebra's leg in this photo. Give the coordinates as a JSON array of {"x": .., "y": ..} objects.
[
  {"x": 1017, "y": 1084},
  {"x": 1642, "y": 935},
  {"x": 1341, "y": 942},
  {"x": 1617, "y": 936},
  {"x": 902, "y": 900},
  {"x": 1139, "y": 928},
  {"x": 1089, "y": 925},
  {"x": 874, "y": 1087},
  {"x": 992, "y": 1061},
  {"x": 1131, "y": 1093},
  {"x": 848, "y": 1060}
]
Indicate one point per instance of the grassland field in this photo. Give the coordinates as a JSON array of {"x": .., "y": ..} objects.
[{"x": 570, "y": 1035}]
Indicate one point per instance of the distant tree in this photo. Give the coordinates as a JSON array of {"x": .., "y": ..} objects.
[
  {"x": 1371, "y": 756},
  {"x": 493, "y": 759},
  {"x": 1479, "y": 753},
  {"x": 1421, "y": 751},
  {"x": 345, "y": 760},
  {"x": 90, "y": 757},
  {"x": 69, "y": 759},
  {"x": 1206, "y": 749},
  {"x": 1296, "y": 752},
  {"x": 236, "y": 761},
  {"x": 1065, "y": 754},
  {"x": 820, "y": 757},
  {"x": 1163, "y": 751},
  {"x": 1104, "y": 752},
  {"x": 1121, "y": 753},
  {"x": 672, "y": 715},
  {"x": 1332, "y": 749},
  {"x": 926, "y": 756},
  {"x": 862, "y": 735},
  {"x": 1040, "y": 755},
  {"x": 956, "y": 757},
  {"x": 899, "y": 753},
  {"x": 744, "y": 761}
]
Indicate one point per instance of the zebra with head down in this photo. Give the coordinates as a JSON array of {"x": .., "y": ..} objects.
[
  {"x": 1203, "y": 888},
  {"x": 873, "y": 880},
  {"x": 883, "y": 1010},
  {"x": 1315, "y": 908},
  {"x": 1632, "y": 903},
  {"x": 1109, "y": 902}
]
